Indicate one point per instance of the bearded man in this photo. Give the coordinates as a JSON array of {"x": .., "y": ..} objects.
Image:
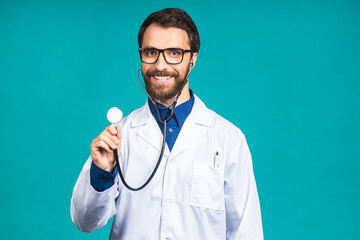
[{"x": 204, "y": 187}]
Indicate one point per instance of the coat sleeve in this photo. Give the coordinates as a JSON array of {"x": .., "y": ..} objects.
[
  {"x": 243, "y": 215},
  {"x": 90, "y": 210}
]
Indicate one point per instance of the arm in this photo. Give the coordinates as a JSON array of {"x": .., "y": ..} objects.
[
  {"x": 94, "y": 194},
  {"x": 243, "y": 215},
  {"x": 90, "y": 209}
]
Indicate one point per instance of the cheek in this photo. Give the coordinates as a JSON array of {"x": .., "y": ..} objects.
[
  {"x": 144, "y": 67},
  {"x": 145, "y": 70},
  {"x": 182, "y": 71}
]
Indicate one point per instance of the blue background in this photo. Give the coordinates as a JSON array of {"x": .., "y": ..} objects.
[{"x": 286, "y": 72}]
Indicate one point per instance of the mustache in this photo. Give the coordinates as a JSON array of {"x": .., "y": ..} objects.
[{"x": 161, "y": 73}]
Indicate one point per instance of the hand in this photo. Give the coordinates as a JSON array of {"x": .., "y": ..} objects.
[{"x": 102, "y": 148}]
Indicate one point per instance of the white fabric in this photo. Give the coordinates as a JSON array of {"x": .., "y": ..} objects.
[{"x": 194, "y": 195}]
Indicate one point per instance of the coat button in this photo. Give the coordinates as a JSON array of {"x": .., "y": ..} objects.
[{"x": 170, "y": 130}]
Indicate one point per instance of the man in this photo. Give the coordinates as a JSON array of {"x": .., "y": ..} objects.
[{"x": 204, "y": 187}]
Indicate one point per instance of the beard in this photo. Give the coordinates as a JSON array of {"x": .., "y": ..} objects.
[{"x": 160, "y": 92}]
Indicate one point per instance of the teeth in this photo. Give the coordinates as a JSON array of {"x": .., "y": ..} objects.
[{"x": 162, "y": 78}]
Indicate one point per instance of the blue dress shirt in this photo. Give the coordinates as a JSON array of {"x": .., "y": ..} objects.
[
  {"x": 174, "y": 125},
  {"x": 102, "y": 180}
]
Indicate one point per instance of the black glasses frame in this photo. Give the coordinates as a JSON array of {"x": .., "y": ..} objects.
[{"x": 162, "y": 51}]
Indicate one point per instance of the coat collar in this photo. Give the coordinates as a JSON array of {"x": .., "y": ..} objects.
[
  {"x": 198, "y": 121},
  {"x": 199, "y": 114}
]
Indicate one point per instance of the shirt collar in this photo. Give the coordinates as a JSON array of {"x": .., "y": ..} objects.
[{"x": 181, "y": 112}]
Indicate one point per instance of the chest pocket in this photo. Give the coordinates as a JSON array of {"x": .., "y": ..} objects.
[{"x": 207, "y": 186}]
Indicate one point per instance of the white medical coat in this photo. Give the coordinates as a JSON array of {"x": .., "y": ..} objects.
[{"x": 194, "y": 194}]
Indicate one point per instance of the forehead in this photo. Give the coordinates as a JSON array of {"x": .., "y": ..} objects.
[{"x": 165, "y": 37}]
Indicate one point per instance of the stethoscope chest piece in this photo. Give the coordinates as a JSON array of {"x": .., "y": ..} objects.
[{"x": 114, "y": 115}]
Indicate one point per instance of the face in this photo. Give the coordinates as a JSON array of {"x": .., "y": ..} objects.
[{"x": 164, "y": 81}]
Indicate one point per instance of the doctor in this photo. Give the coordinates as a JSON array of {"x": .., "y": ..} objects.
[{"x": 204, "y": 188}]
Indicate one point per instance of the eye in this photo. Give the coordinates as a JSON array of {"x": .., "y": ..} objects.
[
  {"x": 149, "y": 52},
  {"x": 175, "y": 52}
]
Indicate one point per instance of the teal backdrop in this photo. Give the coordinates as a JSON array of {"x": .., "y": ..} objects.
[{"x": 287, "y": 73}]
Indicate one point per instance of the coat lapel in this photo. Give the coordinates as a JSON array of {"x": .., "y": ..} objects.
[
  {"x": 198, "y": 122},
  {"x": 147, "y": 128}
]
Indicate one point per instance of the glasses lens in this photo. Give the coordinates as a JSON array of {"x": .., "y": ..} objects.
[
  {"x": 149, "y": 55},
  {"x": 173, "y": 55}
]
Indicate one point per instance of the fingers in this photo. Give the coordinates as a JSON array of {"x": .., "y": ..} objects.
[
  {"x": 111, "y": 129},
  {"x": 113, "y": 133},
  {"x": 111, "y": 142},
  {"x": 100, "y": 143},
  {"x": 103, "y": 145},
  {"x": 107, "y": 140}
]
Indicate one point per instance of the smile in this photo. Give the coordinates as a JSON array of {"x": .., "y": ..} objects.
[{"x": 162, "y": 78}]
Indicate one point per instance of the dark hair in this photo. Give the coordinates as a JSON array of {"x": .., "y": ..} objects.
[{"x": 172, "y": 17}]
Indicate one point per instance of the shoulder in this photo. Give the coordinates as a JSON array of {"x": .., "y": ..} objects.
[
  {"x": 227, "y": 130},
  {"x": 219, "y": 124},
  {"x": 220, "y": 130}
]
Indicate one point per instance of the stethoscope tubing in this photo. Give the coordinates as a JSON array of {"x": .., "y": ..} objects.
[
  {"x": 164, "y": 121},
  {"x": 153, "y": 172}
]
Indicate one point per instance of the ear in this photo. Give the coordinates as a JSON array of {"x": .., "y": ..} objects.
[{"x": 193, "y": 59}]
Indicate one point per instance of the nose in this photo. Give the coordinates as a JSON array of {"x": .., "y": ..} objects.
[{"x": 161, "y": 64}]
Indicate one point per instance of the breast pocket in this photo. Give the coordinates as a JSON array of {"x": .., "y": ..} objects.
[{"x": 207, "y": 186}]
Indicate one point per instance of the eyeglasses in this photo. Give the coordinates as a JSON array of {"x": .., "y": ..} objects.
[{"x": 171, "y": 55}]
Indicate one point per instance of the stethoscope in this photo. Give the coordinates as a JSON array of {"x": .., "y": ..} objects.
[{"x": 115, "y": 115}]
